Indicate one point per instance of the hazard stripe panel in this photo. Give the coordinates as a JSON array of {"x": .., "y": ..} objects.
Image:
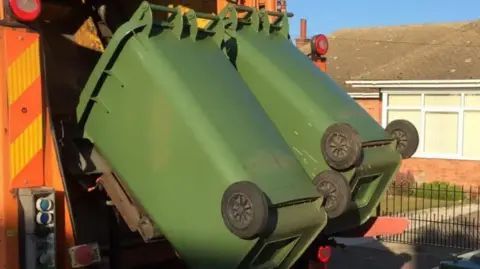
[
  {"x": 25, "y": 108},
  {"x": 26, "y": 146},
  {"x": 23, "y": 72}
]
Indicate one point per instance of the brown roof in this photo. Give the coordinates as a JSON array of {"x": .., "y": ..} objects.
[{"x": 427, "y": 51}]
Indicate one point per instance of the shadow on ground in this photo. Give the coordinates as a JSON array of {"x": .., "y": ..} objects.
[
  {"x": 412, "y": 250},
  {"x": 373, "y": 256}
]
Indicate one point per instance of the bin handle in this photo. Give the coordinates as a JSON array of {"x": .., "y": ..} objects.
[
  {"x": 213, "y": 17},
  {"x": 175, "y": 11},
  {"x": 230, "y": 15},
  {"x": 176, "y": 22},
  {"x": 255, "y": 18},
  {"x": 215, "y": 28},
  {"x": 270, "y": 13},
  {"x": 281, "y": 24}
]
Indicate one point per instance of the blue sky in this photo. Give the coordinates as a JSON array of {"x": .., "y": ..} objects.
[{"x": 326, "y": 16}]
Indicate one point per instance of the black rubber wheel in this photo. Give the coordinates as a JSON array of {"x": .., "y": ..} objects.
[
  {"x": 245, "y": 209},
  {"x": 406, "y": 135},
  {"x": 336, "y": 191},
  {"x": 341, "y": 146}
]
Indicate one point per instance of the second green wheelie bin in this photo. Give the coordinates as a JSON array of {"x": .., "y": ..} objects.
[
  {"x": 180, "y": 128},
  {"x": 347, "y": 154}
]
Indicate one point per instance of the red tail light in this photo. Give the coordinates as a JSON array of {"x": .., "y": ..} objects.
[
  {"x": 324, "y": 253},
  {"x": 319, "y": 44},
  {"x": 25, "y": 10},
  {"x": 84, "y": 255}
]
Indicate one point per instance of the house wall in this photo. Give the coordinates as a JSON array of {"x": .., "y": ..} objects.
[
  {"x": 460, "y": 172},
  {"x": 373, "y": 107},
  {"x": 465, "y": 173}
]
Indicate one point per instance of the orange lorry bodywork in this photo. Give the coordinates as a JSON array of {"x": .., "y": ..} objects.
[
  {"x": 29, "y": 157},
  {"x": 20, "y": 150},
  {"x": 6, "y": 202},
  {"x": 321, "y": 64},
  {"x": 303, "y": 44}
]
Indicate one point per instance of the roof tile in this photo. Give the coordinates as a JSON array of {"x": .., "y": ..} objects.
[{"x": 410, "y": 52}]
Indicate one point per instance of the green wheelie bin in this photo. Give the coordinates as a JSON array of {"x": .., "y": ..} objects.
[
  {"x": 182, "y": 131},
  {"x": 348, "y": 155}
]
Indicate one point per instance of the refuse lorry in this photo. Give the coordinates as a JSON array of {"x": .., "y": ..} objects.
[{"x": 132, "y": 141}]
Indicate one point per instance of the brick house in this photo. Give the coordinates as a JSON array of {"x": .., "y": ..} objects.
[{"x": 425, "y": 74}]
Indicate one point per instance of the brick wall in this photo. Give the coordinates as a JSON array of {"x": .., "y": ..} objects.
[
  {"x": 373, "y": 107},
  {"x": 466, "y": 173}
]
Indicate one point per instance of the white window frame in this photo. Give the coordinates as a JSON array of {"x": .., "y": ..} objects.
[{"x": 460, "y": 110}]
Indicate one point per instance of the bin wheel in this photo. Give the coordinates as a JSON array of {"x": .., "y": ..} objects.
[
  {"x": 336, "y": 191},
  {"x": 341, "y": 146},
  {"x": 245, "y": 209},
  {"x": 406, "y": 135}
]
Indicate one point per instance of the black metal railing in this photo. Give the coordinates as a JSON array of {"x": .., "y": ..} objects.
[{"x": 440, "y": 214}]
